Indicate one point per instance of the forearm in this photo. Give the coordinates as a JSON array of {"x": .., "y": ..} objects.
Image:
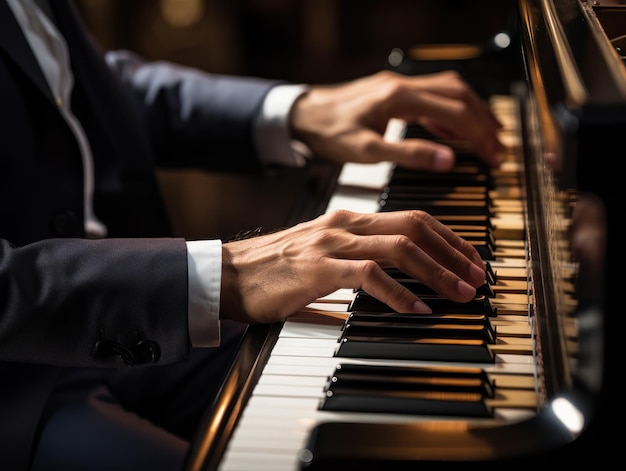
[{"x": 195, "y": 118}]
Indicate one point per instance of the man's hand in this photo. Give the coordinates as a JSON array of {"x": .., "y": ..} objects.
[
  {"x": 267, "y": 278},
  {"x": 346, "y": 123}
]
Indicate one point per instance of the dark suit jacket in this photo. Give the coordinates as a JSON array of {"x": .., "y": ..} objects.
[{"x": 67, "y": 301}]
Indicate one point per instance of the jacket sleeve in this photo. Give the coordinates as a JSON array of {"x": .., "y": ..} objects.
[
  {"x": 195, "y": 118},
  {"x": 111, "y": 302}
]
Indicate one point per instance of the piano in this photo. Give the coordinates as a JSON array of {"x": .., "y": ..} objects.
[{"x": 528, "y": 373}]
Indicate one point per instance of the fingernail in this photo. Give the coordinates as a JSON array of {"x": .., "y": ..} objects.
[
  {"x": 420, "y": 307},
  {"x": 466, "y": 290},
  {"x": 443, "y": 160}
]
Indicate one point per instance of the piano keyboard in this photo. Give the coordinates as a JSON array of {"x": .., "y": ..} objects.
[{"x": 332, "y": 363}]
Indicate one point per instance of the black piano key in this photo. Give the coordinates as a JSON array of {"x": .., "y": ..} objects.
[
  {"x": 455, "y": 192},
  {"x": 422, "y": 349},
  {"x": 416, "y": 325},
  {"x": 492, "y": 277},
  {"x": 456, "y": 177},
  {"x": 485, "y": 250},
  {"x": 484, "y": 237},
  {"x": 462, "y": 153},
  {"x": 402, "y": 402},
  {"x": 465, "y": 167},
  {"x": 417, "y": 446},
  {"x": 403, "y": 188},
  {"x": 482, "y": 221},
  {"x": 408, "y": 390},
  {"x": 434, "y": 179},
  {"x": 420, "y": 288},
  {"x": 414, "y": 373},
  {"x": 432, "y": 194},
  {"x": 439, "y": 207},
  {"x": 418, "y": 331},
  {"x": 413, "y": 378},
  {"x": 480, "y": 305}
]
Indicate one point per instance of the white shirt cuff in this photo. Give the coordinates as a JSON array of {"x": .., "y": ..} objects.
[
  {"x": 271, "y": 132},
  {"x": 204, "y": 266}
]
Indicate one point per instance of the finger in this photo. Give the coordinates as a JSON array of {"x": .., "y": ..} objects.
[
  {"x": 416, "y": 154},
  {"x": 435, "y": 264},
  {"x": 415, "y": 224},
  {"x": 445, "y": 115},
  {"x": 490, "y": 149},
  {"x": 418, "y": 244},
  {"x": 369, "y": 276},
  {"x": 453, "y": 239},
  {"x": 451, "y": 85},
  {"x": 443, "y": 266}
]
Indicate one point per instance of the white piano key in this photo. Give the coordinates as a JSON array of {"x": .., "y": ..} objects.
[
  {"x": 303, "y": 330},
  {"x": 282, "y": 391},
  {"x": 343, "y": 294},
  {"x": 287, "y": 438},
  {"x": 295, "y": 351},
  {"x": 296, "y": 370},
  {"x": 289, "y": 380},
  {"x": 270, "y": 405},
  {"x": 509, "y": 263},
  {"x": 327, "y": 362},
  {"x": 304, "y": 343},
  {"x": 368, "y": 176},
  {"x": 259, "y": 460},
  {"x": 354, "y": 199},
  {"x": 291, "y": 419},
  {"x": 395, "y": 130},
  {"x": 328, "y": 306}
]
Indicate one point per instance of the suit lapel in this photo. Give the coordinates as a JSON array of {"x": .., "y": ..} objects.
[
  {"x": 14, "y": 44},
  {"x": 97, "y": 85}
]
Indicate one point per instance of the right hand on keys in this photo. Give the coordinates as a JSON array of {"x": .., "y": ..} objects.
[{"x": 269, "y": 277}]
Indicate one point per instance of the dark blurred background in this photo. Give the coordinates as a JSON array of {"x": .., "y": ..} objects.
[{"x": 312, "y": 41}]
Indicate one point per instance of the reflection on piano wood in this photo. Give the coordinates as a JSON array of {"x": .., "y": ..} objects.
[{"x": 347, "y": 358}]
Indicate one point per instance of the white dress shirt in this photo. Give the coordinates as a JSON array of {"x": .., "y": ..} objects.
[{"x": 204, "y": 256}]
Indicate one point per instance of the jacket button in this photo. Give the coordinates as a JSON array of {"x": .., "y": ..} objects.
[
  {"x": 107, "y": 348},
  {"x": 147, "y": 351},
  {"x": 65, "y": 224}
]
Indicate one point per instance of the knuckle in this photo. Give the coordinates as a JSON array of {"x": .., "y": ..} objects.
[
  {"x": 369, "y": 269},
  {"x": 388, "y": 74},
  {"x": 338, "y": 217},
  {"x": 418, "y": 218},
  {"x": 393, "y": 87},
  {"x": 403, "y": 243},
  {"x": 325, "y": 238},
  {"x": 368, "y": 144}
]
